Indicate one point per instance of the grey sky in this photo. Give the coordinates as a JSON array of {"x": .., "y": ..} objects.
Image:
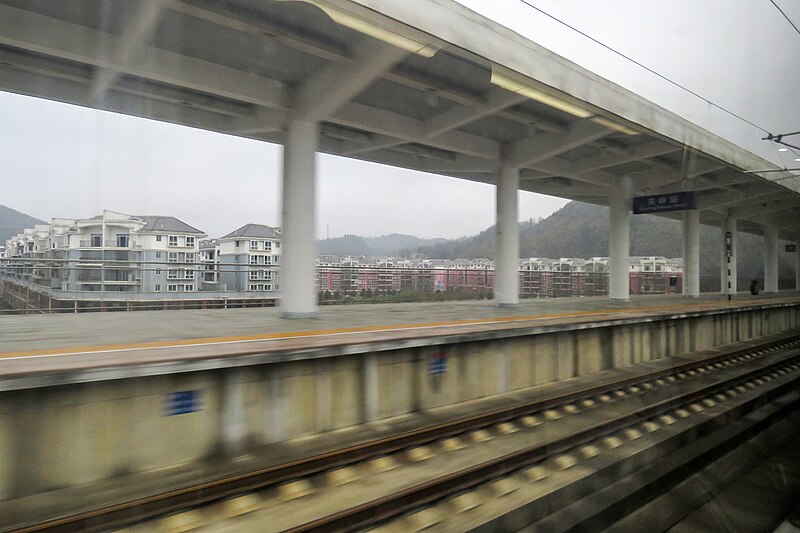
[
  {"x": 67, "y": 161},
  {"x": 740, "y": 54}
]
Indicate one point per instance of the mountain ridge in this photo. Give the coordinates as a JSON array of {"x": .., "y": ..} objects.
[
  {"x": 391, "y": 244},
  {"x": 581, "y": 230},
  {"x": 13, "y": 222}
]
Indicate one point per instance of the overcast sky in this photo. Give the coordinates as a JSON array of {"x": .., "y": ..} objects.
[{"x": 65, "y": 161}]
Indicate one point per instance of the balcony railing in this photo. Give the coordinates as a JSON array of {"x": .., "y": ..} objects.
[{"x": 109, "y": 243}]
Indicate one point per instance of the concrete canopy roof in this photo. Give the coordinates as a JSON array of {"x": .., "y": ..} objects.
[{"x": 419, "y": 84}]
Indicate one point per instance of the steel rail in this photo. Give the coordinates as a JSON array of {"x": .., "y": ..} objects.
[{"x": 418, "y": 496}]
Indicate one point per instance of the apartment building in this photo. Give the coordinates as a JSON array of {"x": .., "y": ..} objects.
[
  {"x": 249, "y": 258},
  {"x": 111, "y": 252}
]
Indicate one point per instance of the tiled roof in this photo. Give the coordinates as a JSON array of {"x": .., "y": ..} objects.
[
  {"x": 254, "y": 230},
  {"x": 160, "y": 223}
]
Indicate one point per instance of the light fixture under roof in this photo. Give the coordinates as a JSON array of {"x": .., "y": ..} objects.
[
  {"x": 510, "y": 84},
  {"x": 608, "y": 123},
  {"x": 783, "y": 149},
  {"x": 367, "y": 28}
]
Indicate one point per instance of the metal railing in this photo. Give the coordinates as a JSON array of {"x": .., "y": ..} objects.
[{"x": 96, "y": 278}]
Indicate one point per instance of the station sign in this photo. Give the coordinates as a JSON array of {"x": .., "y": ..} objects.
[
  {"x": 659, "y": 203},
  {"x": 791, "y": 247},
  {"x": 182, "y": 402}
]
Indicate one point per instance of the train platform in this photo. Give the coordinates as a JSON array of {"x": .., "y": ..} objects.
[
  {"x": 53, "y": 343},
  {"x": 28, "y": 510}
]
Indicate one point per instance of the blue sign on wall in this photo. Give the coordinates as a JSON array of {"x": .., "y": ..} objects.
[
  {"x": 674, "y": 201},
  {"x": 437, "y": 364},
  {"x": 182, "y": 403}
]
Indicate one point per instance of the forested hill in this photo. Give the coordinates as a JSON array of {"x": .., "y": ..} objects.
[
  {"x": 13, "y": 222},
  {"x": 581, "y": 230},
  {"x": 387, "y": 245}
]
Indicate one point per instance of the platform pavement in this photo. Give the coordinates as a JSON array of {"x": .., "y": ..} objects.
[{"x": 20, "y": 334}]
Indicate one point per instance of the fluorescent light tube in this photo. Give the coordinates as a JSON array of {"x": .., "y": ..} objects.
[
  {"x": 376, "y": 32},
  {"x": 608, "y": 123},
  {"x": 534, "y": 94}
]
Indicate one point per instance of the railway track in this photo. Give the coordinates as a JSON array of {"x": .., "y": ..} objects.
[{"x": 527, "y": 414}]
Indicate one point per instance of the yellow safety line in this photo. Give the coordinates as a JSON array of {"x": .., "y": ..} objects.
[{"x": 320, "y": 333}]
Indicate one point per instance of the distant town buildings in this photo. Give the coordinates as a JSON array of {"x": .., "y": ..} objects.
[
  {"x": 128, "y": 257},
  {"x": 539, "y": 277}
]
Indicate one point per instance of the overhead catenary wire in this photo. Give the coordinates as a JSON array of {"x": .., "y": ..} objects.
[
  {"x": 645, "y": 67},
  {"x": 785, "y": 16}
]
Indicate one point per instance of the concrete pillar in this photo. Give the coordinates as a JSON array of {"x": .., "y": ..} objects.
[
  {"x": 506, "y": 288},
  {"x": 298, "y": 290},
  {"x": 234, "y": 422},
  {"x": 770, "y": 259},
  {"x": 619, "y": 242},
  {"x": 728, "y": 264},
  {"x": 370, "y": 388},
  {"x": 691, "y": 253}
]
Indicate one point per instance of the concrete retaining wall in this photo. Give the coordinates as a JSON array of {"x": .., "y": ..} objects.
[{"x": 65, "y": 435}]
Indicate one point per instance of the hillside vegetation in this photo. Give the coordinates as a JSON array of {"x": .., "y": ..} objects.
[
  {"x": 579, "y": 230},
  {"x": 13, "y": 222}
]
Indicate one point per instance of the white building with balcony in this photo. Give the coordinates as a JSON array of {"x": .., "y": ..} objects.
[
  {"x": 150, "y": 254},
  {"x": 111, "y": 252}
]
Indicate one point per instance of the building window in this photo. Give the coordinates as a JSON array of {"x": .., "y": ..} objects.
[
  {"x": 188, "y": 288},
  {"x": 172, "y": 257},
  {"x": 254, "y": 245},
  {"x": 254, "y": 274},
  {"x": 267, "y": 246},
  {"x": 158, "y": 287},
  {"x": 267, "y": 287},
  {"x": 96, "y": 240},
  {"x": 236, "y": 259},
  {"x": 172, "y": 288},
  {"x": 158, "y": 255},
  {"x": 190, "y": 257},
  {"x": 158, "y": 272},
  {"x": 253, "y": 287},
  {"x": 173, "y": 240},
  {"x": 237, "y": 244},
  {"x": 189, "y": 241},
  {"x": 158, "y": 238},
  {"x": 253, "y": 259},
  {"x": 267, "y": 260},
  {"x": 172, "y": 274},
  {"x": 123, "y": 240},
  {"x": 277, "y": 245}
]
